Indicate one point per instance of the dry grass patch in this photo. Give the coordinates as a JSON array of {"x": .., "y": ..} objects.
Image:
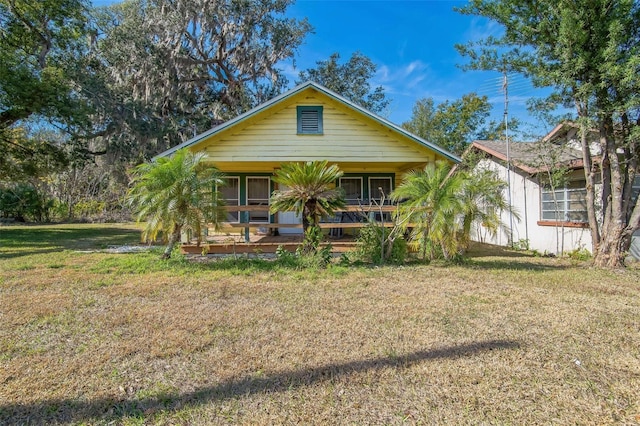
[{"x": 121, "y": 338}]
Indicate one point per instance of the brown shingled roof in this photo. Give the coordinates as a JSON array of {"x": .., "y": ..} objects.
[{"x": 529, "y": 156}]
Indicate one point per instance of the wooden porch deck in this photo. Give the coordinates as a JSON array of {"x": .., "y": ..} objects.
[
  {"x": 220, "y": 244},
  {"x": 263, "y": 237}
]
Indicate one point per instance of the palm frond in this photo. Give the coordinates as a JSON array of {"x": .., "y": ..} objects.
[
  {"x": 180, "y": 191},
  {"x": 310, "y": 189}
]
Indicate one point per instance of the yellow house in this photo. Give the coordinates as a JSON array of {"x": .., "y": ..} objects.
[{"x": 309, "y": 122}]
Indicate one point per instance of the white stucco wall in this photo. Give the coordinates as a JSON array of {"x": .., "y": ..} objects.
[
  {"x": 525, "y": 197},
  {"x": 634, "y": 250}
]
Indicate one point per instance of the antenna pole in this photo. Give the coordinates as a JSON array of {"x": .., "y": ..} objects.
[{"x": 505, "y": 87}]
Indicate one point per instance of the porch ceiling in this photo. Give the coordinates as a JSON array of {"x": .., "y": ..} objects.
[{"x": 346, "y": 167}]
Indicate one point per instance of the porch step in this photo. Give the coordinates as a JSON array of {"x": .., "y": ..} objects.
[{"x": 257, "y": 247}]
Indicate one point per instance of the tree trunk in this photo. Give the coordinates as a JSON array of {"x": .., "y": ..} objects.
[
  {"x": 611, "y": 250},
  {"x": 465, "y": 238},
  {"x": 306, "y": 216},
  {"x": 173, "y": 239},
  {"x": 590, "y": 178}
]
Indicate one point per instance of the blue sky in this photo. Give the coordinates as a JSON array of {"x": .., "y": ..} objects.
[{"x": 412, "y": 44}]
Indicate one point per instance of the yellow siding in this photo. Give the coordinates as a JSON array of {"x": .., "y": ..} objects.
[{"x": 271, "y": 136}]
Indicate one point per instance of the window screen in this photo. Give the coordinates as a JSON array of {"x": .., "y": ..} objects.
[
  {"x": 352, "y": 189},
  {"x": 231, "y": 195},
  {"x": 258, "y": 195},
  {"x": 374, "y": 188}
]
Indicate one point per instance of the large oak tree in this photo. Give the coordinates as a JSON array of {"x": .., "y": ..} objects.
[
  {"x": 170, "y": 69},
  {"x": 39, "y": 41}
]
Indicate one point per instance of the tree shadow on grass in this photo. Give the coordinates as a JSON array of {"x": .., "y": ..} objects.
[
  {"x": 25, "y": 241},
  {"x": 487, "y": 256},
  {"x": 516, "y": 265},
  {"x": 70, "y": 410},
  {"x": 479, "y": 250}
]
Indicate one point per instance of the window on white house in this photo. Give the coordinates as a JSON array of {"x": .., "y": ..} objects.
[
  {"x": 377, "y": 183},
  {"x": 635, "y": 191},
  {"x": 568, "y": 204},
  {"x": 230, "y": 193},
  {"x": 310, "y": 120},
  {"x": 352, "y": 187},
  {"x": 258, "y": 195}
]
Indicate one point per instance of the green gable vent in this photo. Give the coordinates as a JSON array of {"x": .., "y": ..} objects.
[{"x": 309, "y": 120}]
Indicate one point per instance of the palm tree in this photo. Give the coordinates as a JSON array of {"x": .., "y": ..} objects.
[
  {"x": 311, "y": 191},
  {"x": 176, "y": 194},
  {"x": 483, "y": 201},
  {"x": 429, "y": 203}
]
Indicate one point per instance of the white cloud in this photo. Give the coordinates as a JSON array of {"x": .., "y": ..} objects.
[
  {"x": 402, "y": 47},
  {"x": 289, "y": 71},
  {"x": 403, "y": 78},
  {"x": 481, "y": 28}
]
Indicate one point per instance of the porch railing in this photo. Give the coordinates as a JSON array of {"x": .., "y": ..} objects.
[{"x": 350, "y": 217}]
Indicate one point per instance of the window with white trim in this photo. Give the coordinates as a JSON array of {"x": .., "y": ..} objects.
[
  {"x": 230, "y": 193},
  {"x": 568, "y": 205},
  {"x": 258, "y": 195},
  {"x": 352, "y": 187},
  {"x": 309, "y": 120}
]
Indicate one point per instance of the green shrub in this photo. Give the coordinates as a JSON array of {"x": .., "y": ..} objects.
[
  {"x": 579, "y": 254},
  {"x": 305, "y": 259},
  {"x": 370, "y": 243},
  {"x": 521, "y": 245},
  {"x": 286, "y": 258},
  {"x": 23, "y": 202},
  {"x": 88, "y": 208}
]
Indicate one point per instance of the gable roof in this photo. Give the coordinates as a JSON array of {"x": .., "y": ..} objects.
[
  {"x": 525, "y": 155},
  {"x": 296, "y": 90},
  {"x": 563, "y": 129}
]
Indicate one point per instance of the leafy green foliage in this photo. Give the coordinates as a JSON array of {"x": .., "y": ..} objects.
[
  {"x": 371, "y": 241},
  {"x": 303, "y": 257},
  {"x": 522, "y": 244},
  {"x": 439, "y": 206},
  {"x": 27, "y": 155},
  {"x": 36, "y": 43},
  {"x": 39, "y": 44},
  {"x": 23, "y": 202},
  {"x": 176, "y": 194},
  {"x": 483, "y": 202},
  {"x": 429, "y": 201},
  {"x": 351, "y": 80},
  {"x": 579, "y": 255},
  {"x": 453, "y": 125},
  {"x": 311, "y": 241},
  {"x": 310, "y": 193}
]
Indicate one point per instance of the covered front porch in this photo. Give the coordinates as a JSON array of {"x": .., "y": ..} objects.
[
  {"x": 229, "y": 244},
  {"x": 265, "y": 237}
]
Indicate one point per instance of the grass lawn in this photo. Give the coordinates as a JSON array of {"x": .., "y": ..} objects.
[{"x": 88, "y": 337}]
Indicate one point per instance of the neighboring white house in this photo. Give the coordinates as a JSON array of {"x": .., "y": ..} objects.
[{"x": 552, "y": 219}]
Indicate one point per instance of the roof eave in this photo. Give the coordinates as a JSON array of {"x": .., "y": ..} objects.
[{"x": 571, "y": 164}]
